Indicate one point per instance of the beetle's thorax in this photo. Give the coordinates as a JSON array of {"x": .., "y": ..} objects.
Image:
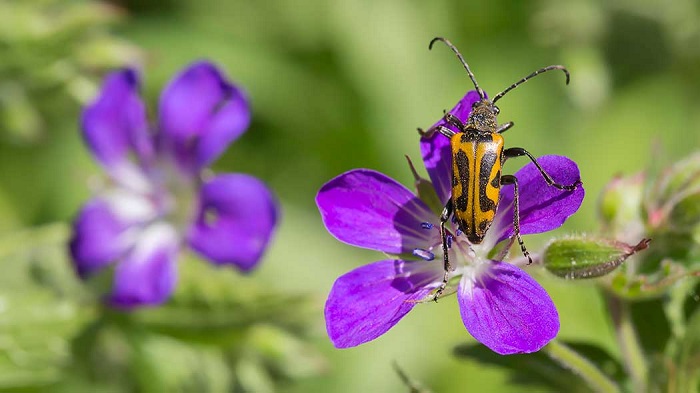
[{"x": 483, "y": 116}]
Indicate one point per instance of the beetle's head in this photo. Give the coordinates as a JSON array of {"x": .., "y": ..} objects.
[{"x": 483, "y": 116}]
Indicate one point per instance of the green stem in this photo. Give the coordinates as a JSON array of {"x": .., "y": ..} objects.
[
  {"x": 581, "y": 366},
  {"x": 631, "y": 350}
]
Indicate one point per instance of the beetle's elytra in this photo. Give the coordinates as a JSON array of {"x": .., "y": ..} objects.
[{"x": 478, "y": 155}]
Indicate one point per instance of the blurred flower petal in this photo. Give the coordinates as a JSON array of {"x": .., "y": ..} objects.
[
  {"x": 370, "y": 300},
  {"x": 507, "y": 310},
  {"x": 367, "y": 209},
  {"x": 236, "y": 218},
  {"x": 101, "y": 232},
  {"x": 115, "y": 124},
  {"x": 200, "y": 114},
  {"x": 226, "y": 125},
  {"x": 147, "y": 275},
  {"x": 96, "y": 238}
]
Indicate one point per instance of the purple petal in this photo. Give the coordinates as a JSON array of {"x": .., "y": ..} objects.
[
  {"x": 201, "y": 113},
  {"x": 436, "y": 148},
  {"x": 115, "y": 124},
  {"x": 542, "y": 207},
  {"x": 368, "y": 301},
  {"x": 225, "y": 126},
  {"x": 507, "y": 310},
  {"x": 236, "y": 218},
  {"x": 95, "y": 238},
  {"x": 101, "y": 231},
  {"x": 148, "y": 274},
  {"x": 367, "y": 209}
]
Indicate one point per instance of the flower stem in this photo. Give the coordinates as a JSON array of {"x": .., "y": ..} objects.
[
  {"x": 581, "y": 366},
  {"x": 631, "y": 350}
]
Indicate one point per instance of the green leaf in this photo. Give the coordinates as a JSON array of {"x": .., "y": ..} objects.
[
  {"x": 164, "y": 364},
  {"x": 40, "y": 304},
  {"x": 689, "y": 360},
  {"x": 539, "y": 370},
  {"x": 651, "y": 324}
]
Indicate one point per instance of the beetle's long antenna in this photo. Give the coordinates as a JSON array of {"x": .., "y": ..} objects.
[
  {"x": 464, "y": 63},
  {"x": 534, "y": 74}
]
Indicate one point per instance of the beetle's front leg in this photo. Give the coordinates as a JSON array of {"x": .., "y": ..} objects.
[
  {"x": 519, "y": 151},
  {"x": 504, "y": 127}
]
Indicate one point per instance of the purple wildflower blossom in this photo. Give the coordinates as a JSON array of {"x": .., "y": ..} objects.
[
  {"x": 501, "y": 305},
  {"x": 157, "y": 199}
]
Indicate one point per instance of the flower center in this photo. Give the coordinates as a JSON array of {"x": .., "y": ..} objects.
[{"x": 175, "y": 195}]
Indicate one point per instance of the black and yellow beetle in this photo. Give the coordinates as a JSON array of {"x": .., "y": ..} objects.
[{"x": 478, "y": 155}]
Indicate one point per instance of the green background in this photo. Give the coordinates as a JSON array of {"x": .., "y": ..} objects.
[{"x": 337, "y": 85}]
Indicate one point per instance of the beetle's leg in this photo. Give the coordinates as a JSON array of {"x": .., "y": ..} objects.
[
  {"x": 445, "y": 131},
  {"x": 444, "y": 218},
  {"x": 519, "y": 151},
  {"x": 504, "y": 127},
  {"x": 510, "y": 179},
  {"x": 454, "y": 120},
  {"x": 441, "y": 129}
]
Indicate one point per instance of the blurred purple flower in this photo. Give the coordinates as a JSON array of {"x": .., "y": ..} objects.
[
  {"x": 158, "y": 200},
  {"x": 501, "y": 305}
]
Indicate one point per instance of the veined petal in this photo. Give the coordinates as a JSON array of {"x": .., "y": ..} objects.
[
  {"x": 102, "y": 232},
  {"x": 115, "y": 124},
  {"x": 507, "y": 310},
  {"x": 368, "y": 301},
  {"x": 201, "y": 112},
  {"x": 147, "y": 275},
  {"x": 542, "y": 207},
  {"x": 236, "y": 218},
  {"x": 368, "y": 209},
  {"x": 436, "y": 151}
]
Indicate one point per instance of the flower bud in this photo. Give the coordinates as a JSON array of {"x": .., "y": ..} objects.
[
  {"x": 674, "y": 200},
  {"x": 620, "y": 204},
  {"x": 587, "y": 257}
]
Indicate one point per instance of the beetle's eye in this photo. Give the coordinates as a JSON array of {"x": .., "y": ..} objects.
[{"x": 496, "y": 110}]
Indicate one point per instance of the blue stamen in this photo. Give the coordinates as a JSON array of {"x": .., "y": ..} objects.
[
  {"x": 454, "y": 219},
  {"x": 427, "y": 225},
  {"x": 449, "y": 241},
  {"x": 458, "y": 232},
  {"x": 425, "y": 254}
]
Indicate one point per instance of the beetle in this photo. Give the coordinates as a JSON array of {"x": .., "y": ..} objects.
[{"x": 478, "y": 155}]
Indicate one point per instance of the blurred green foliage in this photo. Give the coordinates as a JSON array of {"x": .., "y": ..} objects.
[{"x": 334, "y": 85}]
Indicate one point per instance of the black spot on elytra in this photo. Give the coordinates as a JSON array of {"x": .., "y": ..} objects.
[
  {"x": 462, "y": 164},
  {"x": 487, "y": 163},
  {"x": 484, "y": 225},
  {"x": 496, "y": 182}
]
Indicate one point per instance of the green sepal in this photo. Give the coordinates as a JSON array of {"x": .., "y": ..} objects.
[
  {"x": 650, "y": 285},
  {"x": 426, "y": 191},
  {"x": 587, "y": 257}
]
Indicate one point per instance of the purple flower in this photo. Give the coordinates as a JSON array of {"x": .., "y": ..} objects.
[
  {"x": 500, "y": 304},
  {"x": 158, "y": 199}
]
